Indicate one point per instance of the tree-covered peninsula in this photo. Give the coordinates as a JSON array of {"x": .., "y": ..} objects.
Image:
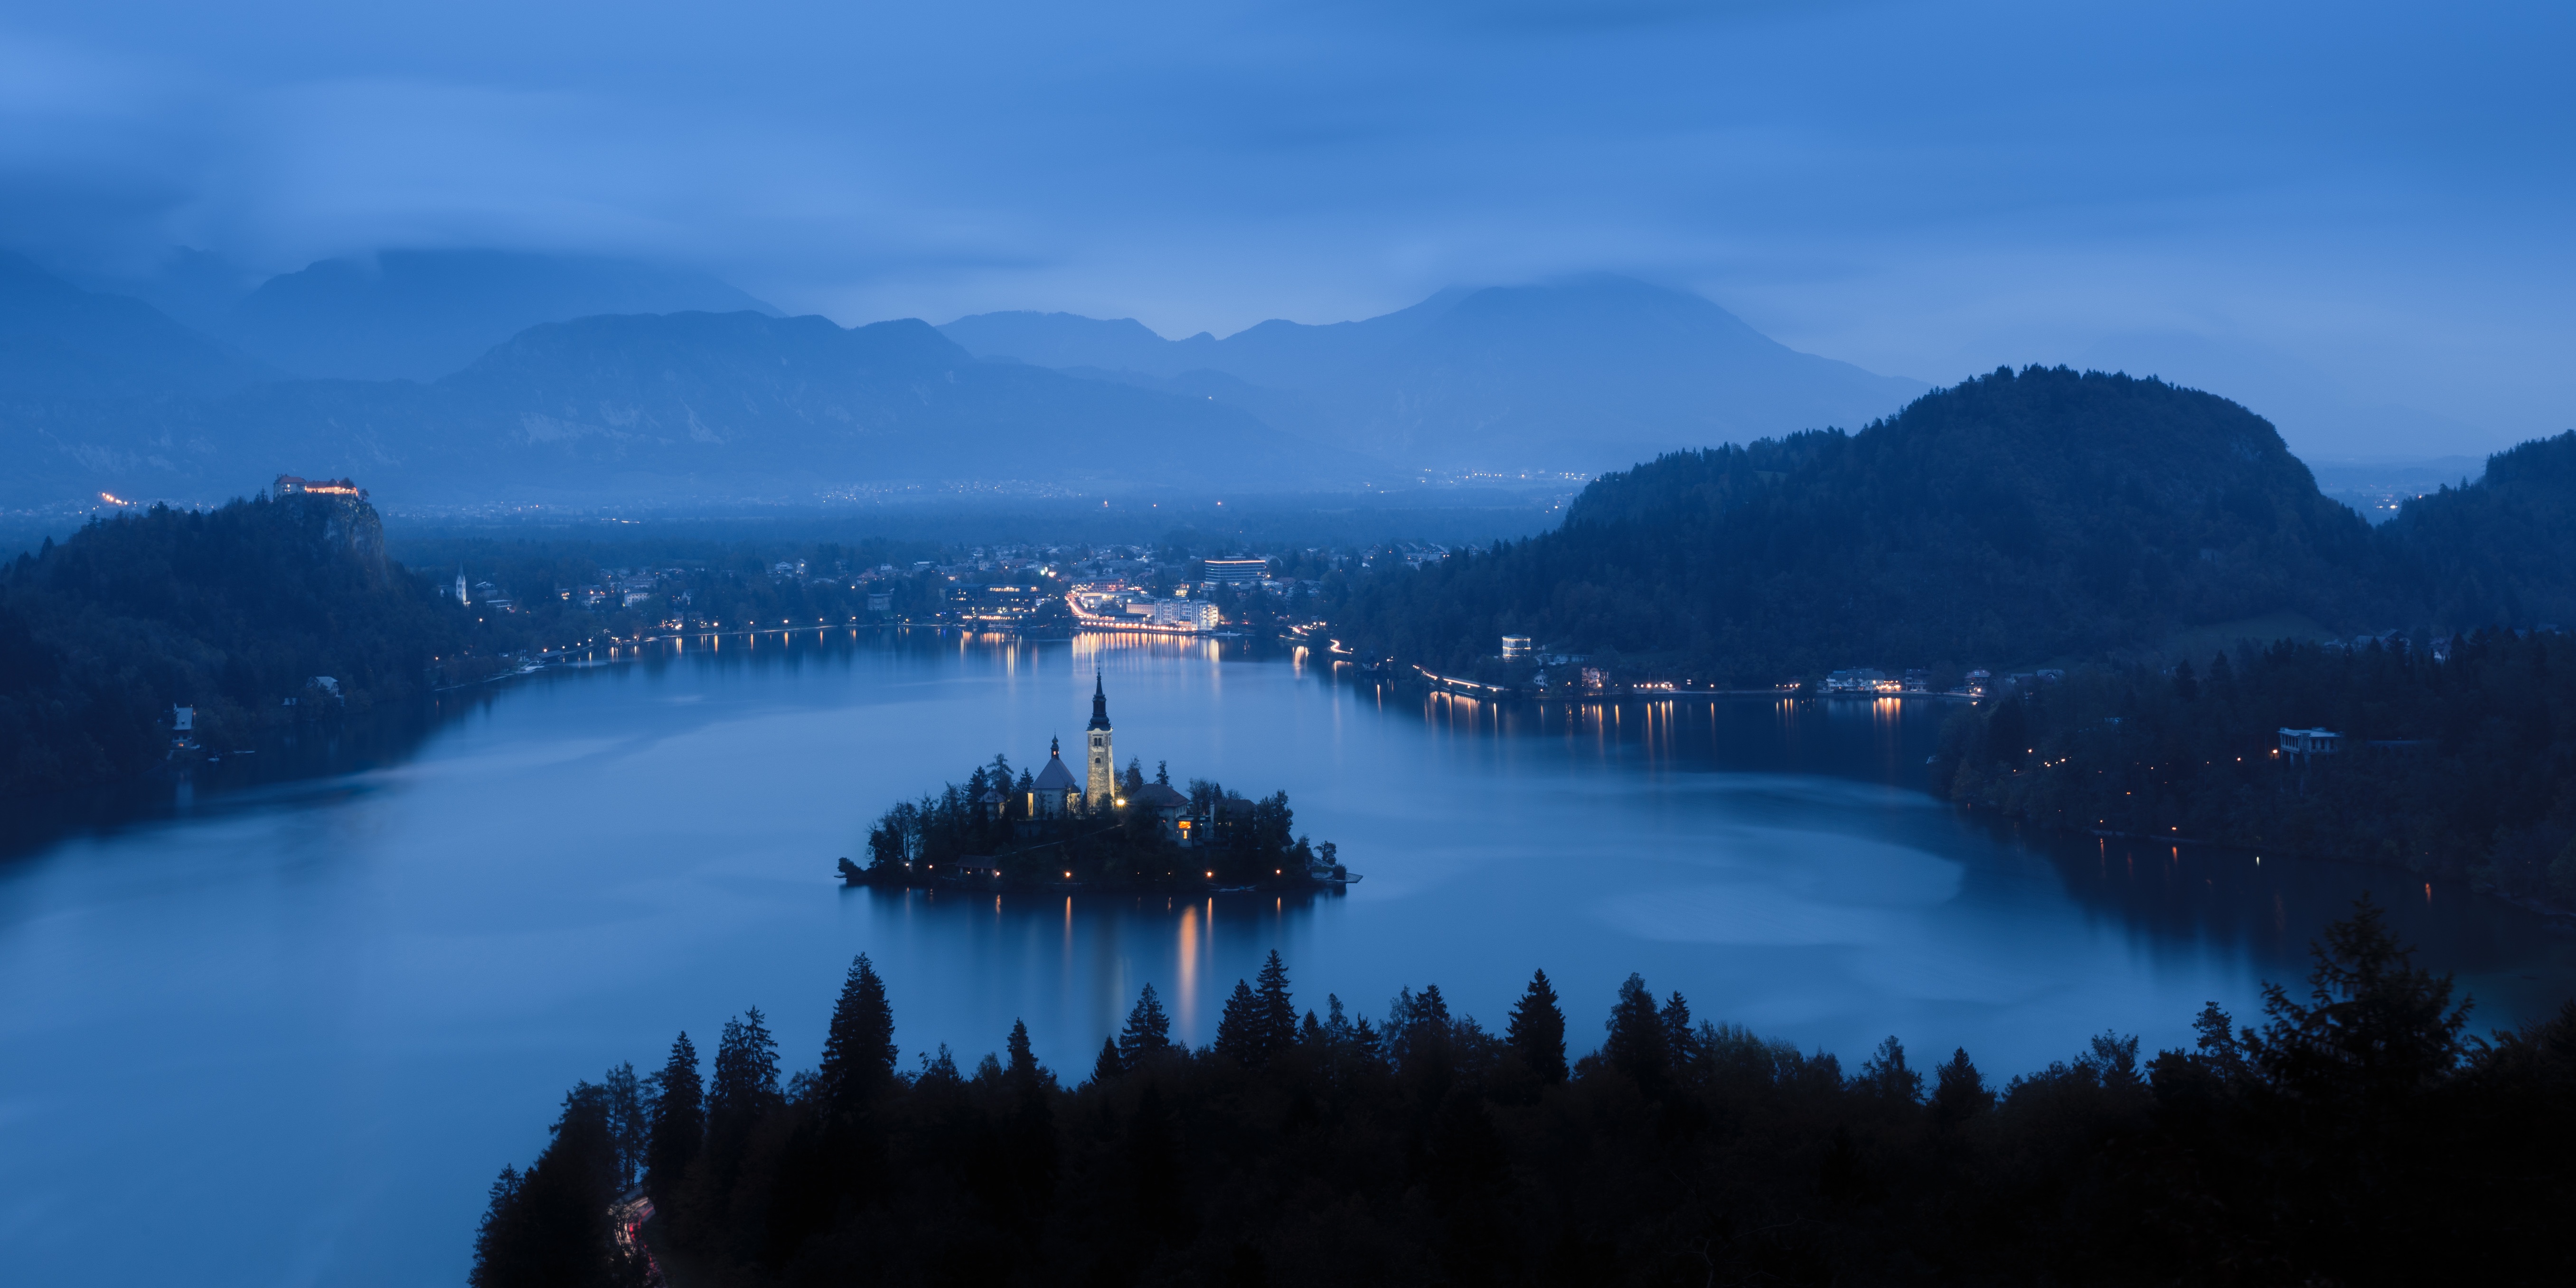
[
  {"x": 262, "y": 612},
  {"x": 2358, "y": 1135},
  {"x": 2456, "y": 759},
  {"x": 287, "y": 609}
]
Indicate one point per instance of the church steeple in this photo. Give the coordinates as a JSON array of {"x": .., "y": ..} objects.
[{"x": 1102, "y": 790}]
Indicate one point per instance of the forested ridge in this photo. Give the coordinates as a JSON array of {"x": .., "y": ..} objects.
[
  {"x": 2357, "y": 1135},
  {"x": 2012, "y": 518},
  {"x": 2461, "y": 766},
  {"x": 2499, "y": 551},
  {"x": 234, "y": 611},
  {"x": 2016, "y": 519},
  {"x": 2085, "y": 521}
]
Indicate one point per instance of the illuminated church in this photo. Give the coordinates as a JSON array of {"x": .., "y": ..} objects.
[
  {"x": 1056, "y": 793},
  {"x": 1102, "y": 789}
]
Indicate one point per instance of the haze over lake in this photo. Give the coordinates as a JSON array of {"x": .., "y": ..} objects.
[{"x": 288, "y": 1035}]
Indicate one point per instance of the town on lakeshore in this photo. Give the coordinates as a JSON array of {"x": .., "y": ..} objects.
[
  {"x": 1053, "y": 591},
  {"x": 1106, "y": 828}
]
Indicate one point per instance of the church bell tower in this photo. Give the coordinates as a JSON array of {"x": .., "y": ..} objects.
[{"x": 1103, "y": 786}]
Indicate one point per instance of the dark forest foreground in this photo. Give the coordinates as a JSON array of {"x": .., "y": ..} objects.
[{"x": 2358, "y": 1136}]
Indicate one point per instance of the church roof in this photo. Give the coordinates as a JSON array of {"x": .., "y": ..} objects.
[
  {"x": 1158, "y": 796},
  {"x": 1056, "y": 778}
]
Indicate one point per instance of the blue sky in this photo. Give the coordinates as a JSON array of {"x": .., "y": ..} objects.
[{"x": 2355, "y": 217}]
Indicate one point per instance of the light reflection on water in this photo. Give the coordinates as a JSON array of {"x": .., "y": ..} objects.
[{"x": 328, "y": 1009}]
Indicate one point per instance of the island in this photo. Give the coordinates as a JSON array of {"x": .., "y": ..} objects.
[{"x": 1006, "y": 829}]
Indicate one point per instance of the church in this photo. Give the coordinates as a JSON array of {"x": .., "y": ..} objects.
[{"x": 1056, "y": 793}]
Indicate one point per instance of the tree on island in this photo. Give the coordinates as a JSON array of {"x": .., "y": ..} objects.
[{"x": 1231, "y": 840}]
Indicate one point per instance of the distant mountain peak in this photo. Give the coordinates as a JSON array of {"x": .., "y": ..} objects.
[
  {"x": 83, "y": 345},
  {"x": 420, "y": 314},
  {"x": 1585, "y": 372}
]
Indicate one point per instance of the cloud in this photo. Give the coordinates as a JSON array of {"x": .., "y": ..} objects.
[{"x": 1924, "y": 188}]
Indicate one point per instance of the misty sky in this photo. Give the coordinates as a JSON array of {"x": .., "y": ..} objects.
[{"x": 2326, "y": 207}]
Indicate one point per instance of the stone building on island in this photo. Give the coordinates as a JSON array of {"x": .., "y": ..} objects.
[
  {"x": 1101, "y": 792},
  {"x": 1055, "y": 793}
]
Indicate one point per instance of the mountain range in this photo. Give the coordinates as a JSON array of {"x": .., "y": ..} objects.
[
  {"x": 422, "y": 314},
  {"x": 691, "y": 405},
  {"x": 555, "y": 379},
  {"x": 1577, "y": 376}
]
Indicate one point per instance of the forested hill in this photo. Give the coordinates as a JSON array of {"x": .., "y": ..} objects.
[
  {"x": 233, "y": 611},
  {"x": 2015, "y": 517},
  {"x": 2499, "y": 550},
  {"x": 702, "y": 404},
  {"x": 101, "y": 393}
]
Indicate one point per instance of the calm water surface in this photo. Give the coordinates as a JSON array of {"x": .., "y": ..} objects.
[{"x": 287, "y": 1034}]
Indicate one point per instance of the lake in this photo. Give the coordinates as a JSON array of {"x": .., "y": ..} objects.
[{"x": 285, "y": 1032}]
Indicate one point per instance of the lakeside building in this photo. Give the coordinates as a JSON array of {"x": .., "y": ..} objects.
[
  {"x": 1861, "y": 680},
  {"x": 993, "y": 605},
  {"x": 1117, "y": 607},
  {"x": 1187, "y": 614},
  {"x": 1235, "y": 572}
]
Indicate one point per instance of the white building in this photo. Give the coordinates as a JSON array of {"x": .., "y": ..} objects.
[{"x": 1193, "y": 614}]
